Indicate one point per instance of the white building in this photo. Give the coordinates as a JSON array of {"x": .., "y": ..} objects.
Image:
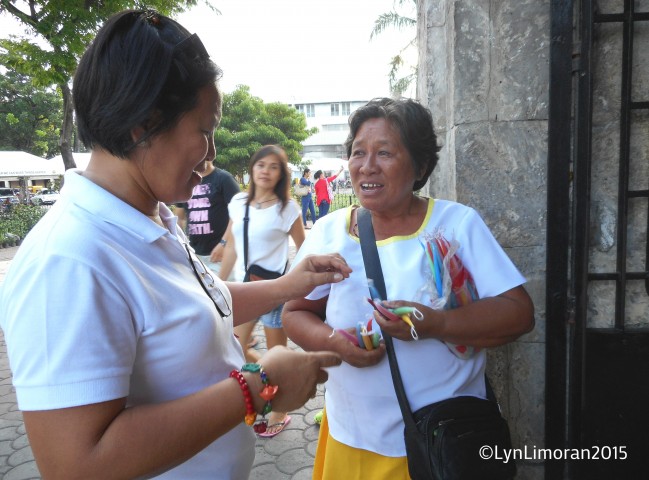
[
  {"x": 18, "y": 167},
  {"x": 325, "y": 149},
  {"x": 330, "y": 118}
]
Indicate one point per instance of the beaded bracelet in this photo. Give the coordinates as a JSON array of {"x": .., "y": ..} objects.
[
  {"x": 268, "y": 392},
  {"x": 251, "y": 414}
]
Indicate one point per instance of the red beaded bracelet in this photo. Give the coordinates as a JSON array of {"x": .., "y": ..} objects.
[{"x": 251, "y": 414}]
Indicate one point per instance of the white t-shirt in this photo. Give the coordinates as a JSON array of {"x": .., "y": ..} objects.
[
  {"x": 101, "y": 303},
  {"x": 362, "y": 407},
  {"x": 268, "y": 230}
]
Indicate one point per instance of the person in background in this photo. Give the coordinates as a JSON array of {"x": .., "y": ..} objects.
[
  {"x": 205, "y": 216},
  {"x": 323, "y": 192},
  {"x": 124, "y": 362},
  {"x": 273, "y": 217},
  {"x": 392, "y": 150},
  {"x": 307, "y": 200}
]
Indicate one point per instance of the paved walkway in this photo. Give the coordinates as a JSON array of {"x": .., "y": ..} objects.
[{"x": 288, "y": 456}]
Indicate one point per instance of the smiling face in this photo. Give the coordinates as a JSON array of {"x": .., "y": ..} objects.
[
  {"x": 175, "y": 160},
  {"x": 380, "y": 167}
]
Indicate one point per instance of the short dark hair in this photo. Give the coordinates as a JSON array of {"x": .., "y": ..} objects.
[
  {"x": 142, "y": 69},
  {"x": 306, "y": 170},
  {"x": 414, "y": 123}
]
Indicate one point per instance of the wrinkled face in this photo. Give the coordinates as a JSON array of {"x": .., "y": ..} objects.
[
  {"x": 176, "y": 159},
  {"x": 267, "y": 171},
  {"x": 380, "y": 166}
]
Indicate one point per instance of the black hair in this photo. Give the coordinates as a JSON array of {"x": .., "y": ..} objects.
[
  {"x": 306, "y": 170},
  {"x": 142, "y": 69},
  {"x": 283, "y": 187},
  {"x": 317, "y": 174},
  {"x": 414, "y": 123}
]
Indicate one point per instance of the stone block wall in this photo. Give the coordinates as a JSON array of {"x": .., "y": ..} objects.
[{"x": 483, "y": 72}]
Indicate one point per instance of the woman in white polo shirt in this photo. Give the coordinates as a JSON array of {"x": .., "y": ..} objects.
[
  {"x": 392, "y": 151},
  {"x": 124, "y": 361}
]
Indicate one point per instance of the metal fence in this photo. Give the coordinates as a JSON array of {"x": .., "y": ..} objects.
[{"x": 343, "y": 198}]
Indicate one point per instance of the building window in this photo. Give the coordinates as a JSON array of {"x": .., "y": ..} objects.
[
  {"x": 336, "y": 127},
  {"x": 306, "y": 109},
  {"x": 335, "y": 109},
  {"x": 346, "y": 108}
]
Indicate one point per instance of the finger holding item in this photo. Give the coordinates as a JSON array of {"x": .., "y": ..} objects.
[
  {"x": 396, "y": 329},
  {"x": 397, "y": 316},
  {"x": 346, "y": 344},
  {"x": 361, "y": 357}
]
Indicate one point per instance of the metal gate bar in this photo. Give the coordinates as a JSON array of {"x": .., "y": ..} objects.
[
  {"x": 627, "y": 18},
  {"x": 558, "y": 229},
  {"x": 585, "y": 372}
]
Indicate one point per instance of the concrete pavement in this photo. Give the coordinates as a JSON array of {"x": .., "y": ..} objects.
[
  {"x": 16, "y": 459},
  {"x": 287, "y": 456}
]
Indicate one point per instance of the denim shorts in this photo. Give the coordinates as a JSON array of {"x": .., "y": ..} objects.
[{"x": 273, "y": 319}]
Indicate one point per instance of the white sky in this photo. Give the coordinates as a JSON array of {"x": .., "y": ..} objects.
[{"x": 297, "y": 50}]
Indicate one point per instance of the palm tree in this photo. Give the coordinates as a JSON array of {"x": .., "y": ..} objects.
[{"x": 393, "y": 19}]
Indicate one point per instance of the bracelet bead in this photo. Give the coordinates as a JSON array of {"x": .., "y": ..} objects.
[
  {"x": 268, "y": 391},
  {"x": 251, "y": 414}
]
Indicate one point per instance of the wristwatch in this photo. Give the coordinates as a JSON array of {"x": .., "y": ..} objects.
[{"x": 223, "y": 242}]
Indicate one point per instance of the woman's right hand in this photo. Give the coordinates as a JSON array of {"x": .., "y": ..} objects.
[
  {"x": 303, "y": 321},
  {"x": 312, "y": 271},
  {"x": 356, "y": 356},
  {"x": 296, "y": 373}
]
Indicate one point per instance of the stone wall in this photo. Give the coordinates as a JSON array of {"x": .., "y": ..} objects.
[{"x": 483, "y": 72}]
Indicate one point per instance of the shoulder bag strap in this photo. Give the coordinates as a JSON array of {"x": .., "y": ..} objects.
[
  {"x": 246, "y": 219},
  {"x": 373, "y": 269}
]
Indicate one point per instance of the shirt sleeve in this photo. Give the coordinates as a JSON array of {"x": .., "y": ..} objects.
[
  {"x": 491, "y": 268},
  {"x": 80, "y": 352},
  {"x": 290, "y": 213},
  {"x": 230, "y": 188}
]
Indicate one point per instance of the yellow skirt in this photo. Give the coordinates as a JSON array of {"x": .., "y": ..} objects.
[{"x": 336, "y": 461}]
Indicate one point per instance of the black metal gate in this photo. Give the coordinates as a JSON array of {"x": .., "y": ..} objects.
[{"x": 597, "y": 360}]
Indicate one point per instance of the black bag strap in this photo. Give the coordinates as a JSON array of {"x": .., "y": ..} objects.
[
  {"x": 246, "y": 219},
  {"x": 373, "y": 270}
]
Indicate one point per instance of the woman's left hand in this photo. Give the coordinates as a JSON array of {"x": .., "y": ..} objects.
[
  {"x": 485, "y": 323},
  {"x": 401, "y": 329}
]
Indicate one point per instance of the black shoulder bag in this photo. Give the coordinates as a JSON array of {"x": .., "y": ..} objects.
[
  {"x": 254, "y": 272},
  {"x": 461, "y": 438}
]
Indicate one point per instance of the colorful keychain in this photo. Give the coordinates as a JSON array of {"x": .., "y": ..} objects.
[{"x": 399, "y": 313}]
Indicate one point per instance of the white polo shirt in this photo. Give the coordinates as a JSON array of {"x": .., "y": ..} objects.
[{"x": 101, "y": 303}]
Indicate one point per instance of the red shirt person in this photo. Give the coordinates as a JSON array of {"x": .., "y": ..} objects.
[{"x": 323, "y": 192}]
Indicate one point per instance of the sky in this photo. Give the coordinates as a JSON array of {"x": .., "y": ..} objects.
[
  {"x": 287, "y": 50},
  {"x": 297, "y": 51}
]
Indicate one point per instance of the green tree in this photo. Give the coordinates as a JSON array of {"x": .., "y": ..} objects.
[
  {"x": 399, "y": 80},
  {"x": 248, "y": 124},
  {"x": 57, "y": 33},
  {"x": 30, "y": 117}
]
